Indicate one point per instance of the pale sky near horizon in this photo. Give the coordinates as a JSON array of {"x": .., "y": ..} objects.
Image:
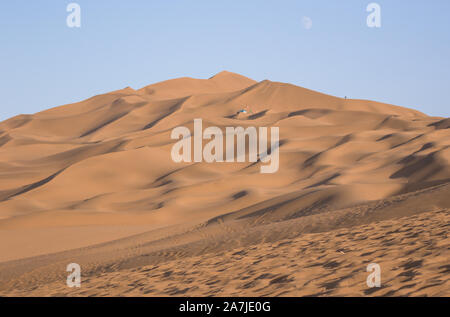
[{"x": 44, "y": 63}]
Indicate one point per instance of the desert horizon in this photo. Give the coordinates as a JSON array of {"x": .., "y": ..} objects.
[{"x": 358, "y": 182}]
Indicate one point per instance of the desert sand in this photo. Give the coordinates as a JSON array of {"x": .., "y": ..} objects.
[{"x": 93, "y": 183}]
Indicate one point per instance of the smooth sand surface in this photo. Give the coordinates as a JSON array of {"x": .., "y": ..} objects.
[{"x": 93, "y": 183}]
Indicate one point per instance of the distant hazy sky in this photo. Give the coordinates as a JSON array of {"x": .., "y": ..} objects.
[{"x": 318, "y": 44}]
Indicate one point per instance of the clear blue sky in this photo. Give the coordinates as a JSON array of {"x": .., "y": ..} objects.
[{"x": 43, "y": 63}]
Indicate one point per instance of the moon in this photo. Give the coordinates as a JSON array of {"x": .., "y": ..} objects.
[{"x": 307, "y": 23}]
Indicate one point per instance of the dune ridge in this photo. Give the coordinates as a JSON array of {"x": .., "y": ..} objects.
[{"x": 93, "y": 183}]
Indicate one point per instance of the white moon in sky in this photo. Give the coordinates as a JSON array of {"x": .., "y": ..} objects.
[{"x": 307, "y": 23}]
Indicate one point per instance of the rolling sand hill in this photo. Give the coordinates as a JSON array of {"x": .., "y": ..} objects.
[{"x": 93, "y": 183}]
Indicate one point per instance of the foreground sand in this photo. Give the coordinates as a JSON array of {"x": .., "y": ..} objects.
[
  {"x": 93, "y": 183},
  {"x": 413, "y": 253}
]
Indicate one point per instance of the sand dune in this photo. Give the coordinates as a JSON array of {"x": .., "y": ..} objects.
[{"x": 94, "y": 183}]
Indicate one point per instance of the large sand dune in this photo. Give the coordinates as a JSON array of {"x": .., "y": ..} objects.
[{"x": 94, "y": 183}]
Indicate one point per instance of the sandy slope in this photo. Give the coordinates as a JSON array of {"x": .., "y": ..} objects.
[{"x": 93, "y": 183}]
